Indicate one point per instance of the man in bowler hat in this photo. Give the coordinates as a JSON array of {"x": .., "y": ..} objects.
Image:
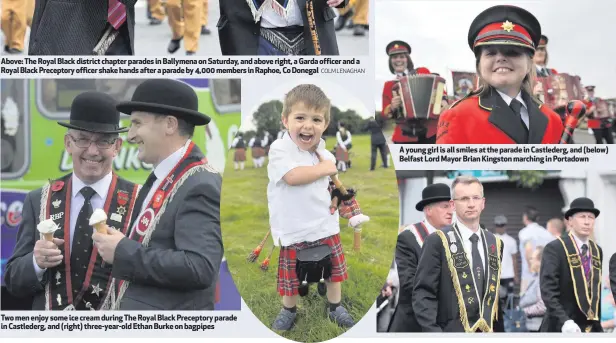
[
  {"x": 438, "y": 212},
  {"x": 571, "y": 274},
  {"x": 65, "y": 273},
  {"x": 172, "y": 254}
]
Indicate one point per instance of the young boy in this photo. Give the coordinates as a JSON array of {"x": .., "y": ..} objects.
[{"x": 298, "y": 198}]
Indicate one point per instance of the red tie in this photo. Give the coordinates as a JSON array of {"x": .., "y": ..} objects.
[{"x": 116, "y": 15}]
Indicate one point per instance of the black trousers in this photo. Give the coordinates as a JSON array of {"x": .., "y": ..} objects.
[
  {"x": 383, "y": 149},
  {"x": 601, "y": 134}
]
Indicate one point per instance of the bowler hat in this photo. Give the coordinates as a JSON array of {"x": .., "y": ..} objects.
[
  {"x": 94, "y": 112},
  {"x": 581, "y": 205},
  {"x": 167, "y": 97},
  {"x": 505, "y": 25},
  {"x": 433, "y": 193}
]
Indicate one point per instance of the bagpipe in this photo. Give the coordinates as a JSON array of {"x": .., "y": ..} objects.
[
  {"x": 314, "y": 264},
  {"x": 574, "y": 113}
]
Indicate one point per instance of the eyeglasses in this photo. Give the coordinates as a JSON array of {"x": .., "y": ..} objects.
[
  {"x": 467, "y": 199},
  {"x": 85, "y": 143}
]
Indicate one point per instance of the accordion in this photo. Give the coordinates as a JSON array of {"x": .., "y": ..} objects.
[
  {"x": 558, "y": 90},
  {"x": 422, "y": 96}
]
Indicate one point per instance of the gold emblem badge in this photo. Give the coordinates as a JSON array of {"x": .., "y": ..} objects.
[
  {"x": 492, "y": 288},
  {"x": 464, "y": 275},
  {"x": 468, "y": 288},
  {"x": 493, "y": 277},
  {"x": 508, "y": 26},
  {"x": 396, "y": 46},
  {"x": 471, "y": 300}
]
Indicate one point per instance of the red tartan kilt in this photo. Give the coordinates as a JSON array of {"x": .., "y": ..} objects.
[
  {"x": 288, "y": 283},
  {"x": 341, "y": 154},
  {"x": 258, "y": 152},
  {"x": 240, "y": 155}
]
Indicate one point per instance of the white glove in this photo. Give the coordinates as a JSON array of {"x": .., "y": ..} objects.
[
  {"x": 10, "y": 114},
  {"x": 570, "y": 327}
]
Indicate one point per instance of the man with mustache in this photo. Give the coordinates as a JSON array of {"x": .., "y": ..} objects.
[
  {"x": 400, "y": 64},
  {"x": 67, "y": 273},
  {"x": 456, "y": 284},
  {"x": 437, "y": 209},
  {"x": 171, "y": 257},
  {"x": 571, "y": 274}
]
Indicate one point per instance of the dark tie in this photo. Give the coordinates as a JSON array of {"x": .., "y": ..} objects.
[
  {"x": 142, "y": 194},
  {"x": 82, "y": 241},
  {"x": 585, "y": 261},
  {"x": 516, "y": 107},
  {"x": 477, "y": 266},
  {"x": 116, "y": 13}
]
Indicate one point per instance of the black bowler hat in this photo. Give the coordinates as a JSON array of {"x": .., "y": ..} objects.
[
  {"x": 167, "y": 97},
  {"x": 505, "y": 25},
  {"x": 94, "y": 112},
  {"x": 433, "y": 193},
  {"x": 581, "y": 205},
  {"x": 398, "y": 47}
]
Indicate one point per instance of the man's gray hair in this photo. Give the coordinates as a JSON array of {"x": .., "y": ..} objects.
[{"x": 465, "y": 180}]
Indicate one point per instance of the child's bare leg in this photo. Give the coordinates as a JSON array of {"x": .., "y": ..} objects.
[
  {"x": 334, "y": 292},
  {"x": 289, "y": 301}
]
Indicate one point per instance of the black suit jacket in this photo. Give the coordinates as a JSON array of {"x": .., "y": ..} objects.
[
  {"x": 408, "y": 252},
  {"x": 557, "y": 291},
  {"x": 435, "y": 303},
  {"x": 613, "y": 274},
  {"x": 73, "y": 27},
  {"x": 238, "y": 33}
]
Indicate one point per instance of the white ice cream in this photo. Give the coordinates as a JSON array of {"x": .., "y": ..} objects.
[
  {"x": 98, "y": 216},
  {"x": 47, "y": 226}
]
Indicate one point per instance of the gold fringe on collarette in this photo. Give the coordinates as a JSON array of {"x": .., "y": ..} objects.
[
  {"x": 114, "y": 304},
  {"x": 481, "y": 324}
]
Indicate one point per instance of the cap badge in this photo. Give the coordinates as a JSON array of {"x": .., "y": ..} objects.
[{"x": 508, "y": 26}]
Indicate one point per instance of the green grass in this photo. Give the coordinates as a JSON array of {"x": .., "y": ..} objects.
[{"x": 245, "y": 221}]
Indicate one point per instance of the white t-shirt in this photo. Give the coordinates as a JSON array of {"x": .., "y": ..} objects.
[
  {"x": 510, "y": 247},
  {"x": 298, "y": 213}
]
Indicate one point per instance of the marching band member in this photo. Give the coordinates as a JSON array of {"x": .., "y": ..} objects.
[
  {"x": 571, "y": 274},
  {"x": 502, "y": 110},
  {"x": 343, "y": 145},
  {"x": 541, "y": 58},
  {"x": 601, "y": 127},
  {"x": 437, "y": 209},
  {"x": 185, "y": 23},
  {"x": 239, "y": 158},
  {"x": 400, "y": 64},
  {"x": 299, "y": 204},
  {"x": 457, "y": 279},
  {"x": 53, "y": 272}
]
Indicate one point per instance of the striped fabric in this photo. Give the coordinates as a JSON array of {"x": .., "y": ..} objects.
[{"x": 116, "y": 14}]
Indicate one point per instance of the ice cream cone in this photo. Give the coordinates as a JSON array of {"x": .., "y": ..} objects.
[
  {"x": 47, "y": 228},
  {"x": 48, "y": 236},
  {"x": 101, "y": 227}
]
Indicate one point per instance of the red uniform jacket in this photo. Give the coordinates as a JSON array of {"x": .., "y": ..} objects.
[
  {"x": 398, "y": 137},
  {"x": 593, "y": 123},
  {"x": 488, "y": 120}
]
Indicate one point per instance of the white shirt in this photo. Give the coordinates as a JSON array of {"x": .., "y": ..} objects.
[
  {"x": 272, "y": 18},
  {"x": 537, "y": 236},
  {"x": 161, "y": 171},
  {"x": 235, "y": 141},
  {"x": 523, "y": 110},
  {"x": 466, "y": 234},
  {"x": 265, "y": 141},
  {"x": 298, "y": 213},
  {"x": 345, "y": 142},
  {"x": 429, "y": 226},
  {"x": 280, "y": 134},
  {"x": 510, "y": 247},
  {"x": 101, "y": 187},
  {"x": 251, "y": 142}
]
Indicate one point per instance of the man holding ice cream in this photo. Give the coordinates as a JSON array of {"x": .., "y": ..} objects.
[{"x": 55, "y": 261}]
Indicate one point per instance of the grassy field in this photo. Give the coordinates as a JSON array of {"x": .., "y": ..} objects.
[{"x": 245, "y": 221}]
